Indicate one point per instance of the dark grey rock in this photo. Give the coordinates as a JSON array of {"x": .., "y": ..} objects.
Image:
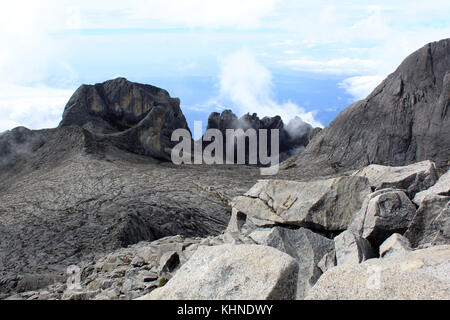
[
  {"x": 138, "y": 118},
  {"x": 431, "y": 223},
  {"x": 292, "y": 137}
]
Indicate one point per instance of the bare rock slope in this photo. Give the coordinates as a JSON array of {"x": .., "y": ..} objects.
[{"x": 404, "y": 120}]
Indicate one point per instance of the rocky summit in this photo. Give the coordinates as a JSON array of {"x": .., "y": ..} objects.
[
  {"x": 138, "y": 118},
  {"x": 95, "y": 209}
]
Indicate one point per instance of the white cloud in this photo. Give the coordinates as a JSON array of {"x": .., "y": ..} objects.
[
  {"x": 248, "y": 86},
  {"x": 360, "y": 87},
  {"x": 29, "y": 57},
  {"x": 28, "y": 51},
  {"x": 34, "y": 107},
  {"x": 334, "y": 66},
  {"x": 365, "y": 40}
]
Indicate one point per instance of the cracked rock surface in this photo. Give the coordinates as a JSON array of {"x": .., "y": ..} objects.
[
  {"x": 324, "y": 205},
  {"x": 75, "y": 197}
]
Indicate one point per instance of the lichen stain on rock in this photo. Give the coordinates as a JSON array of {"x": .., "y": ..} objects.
[
  {"x": 151, "y": 137},
  {"x": 96, "y": 104}
]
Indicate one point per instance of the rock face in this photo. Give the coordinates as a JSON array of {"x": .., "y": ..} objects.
[
  {"x": 421, "y": 274},
  {"x": 441, "y": 187},
  {"x": 314, "y": 132},
  {"x": 307, "y": 247},
  {"x": 139, "y": 118},
  {"x": 412, "y": 179},
  {"x": 431, "y": 223},
  {"x": 327, "y": 205},
  {"x": 404, "y": 120},
  {"x": 292, "y": 138},
  {"x": 383, "y": 213},
  {"x": 233, "y": 272},
  {"x": 351, "y": 248}
]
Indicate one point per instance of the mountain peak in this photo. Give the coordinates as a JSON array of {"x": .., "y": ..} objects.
[
  {"x": 138, "y": 117},
  {"x": 404, "y": 120}
]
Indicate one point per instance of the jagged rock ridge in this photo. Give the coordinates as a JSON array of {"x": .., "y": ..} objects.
[{"x": 292, "y": 138}]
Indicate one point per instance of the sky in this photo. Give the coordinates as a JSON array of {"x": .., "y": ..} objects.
[{"x": 291, "y": 58}]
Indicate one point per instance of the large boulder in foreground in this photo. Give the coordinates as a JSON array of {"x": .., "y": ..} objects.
[
  {"x": 422, "y": 274},
  {"x": 232, "y": 272},
  {"x": 328, "y": 205},
  {"x": 404, "y": 120},
  {"x": 431, "y": 223},
  {"x": 307, "y": 247},
  {"x": 137, "y": 117},
  {"x": 382, "y": 214},
  {"x": 441, "y": 187},
  {"x": 412, "y": 179}
]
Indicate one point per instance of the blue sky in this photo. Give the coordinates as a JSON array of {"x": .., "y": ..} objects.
[{"x": 286, "y": 57}]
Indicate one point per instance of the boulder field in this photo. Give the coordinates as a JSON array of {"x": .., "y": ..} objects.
[{"x": 386, "y": 246}]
